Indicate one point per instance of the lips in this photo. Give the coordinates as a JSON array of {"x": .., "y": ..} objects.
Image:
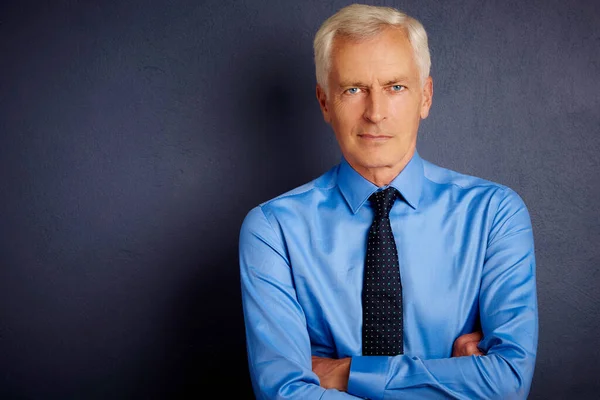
[{"x": 374, "y": 137}]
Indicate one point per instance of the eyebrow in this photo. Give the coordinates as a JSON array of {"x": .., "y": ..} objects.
[
  {"x": 399, "y": 79},
  {"x": 352, "y": 84}
]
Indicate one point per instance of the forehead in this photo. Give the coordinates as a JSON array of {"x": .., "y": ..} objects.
[{"x": 384, "y": 56}]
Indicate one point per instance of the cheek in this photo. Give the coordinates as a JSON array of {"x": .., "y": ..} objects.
[
  {"x": 347, "y": 113},
  {"x": 406, "y": 109}
]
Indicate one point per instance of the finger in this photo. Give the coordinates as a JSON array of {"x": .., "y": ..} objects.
[
  {"x": 315, "y": 361},
  {"x": 459, "y": 347},
  {"x": 460, "y": 350},
  {"x": 461, "y": 341},
  {"x": 472, "y": 349}
]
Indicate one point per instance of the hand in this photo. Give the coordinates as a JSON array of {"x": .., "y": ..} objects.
[
  {"x": 466, "y": 345},
  {"x": 332, "y": 373}
]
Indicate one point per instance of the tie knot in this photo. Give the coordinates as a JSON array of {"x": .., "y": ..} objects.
[{"x": 382, "y": 201}]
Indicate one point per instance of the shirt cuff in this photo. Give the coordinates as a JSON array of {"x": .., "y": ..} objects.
[{"x": 368, "y": 375}]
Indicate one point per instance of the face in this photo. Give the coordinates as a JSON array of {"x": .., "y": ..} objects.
[{"x": 374, "y": 102}]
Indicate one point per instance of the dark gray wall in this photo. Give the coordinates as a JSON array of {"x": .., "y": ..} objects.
[{"x": 136, "y": 135}]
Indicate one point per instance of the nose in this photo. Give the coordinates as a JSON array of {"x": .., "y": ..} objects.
[{"x": 376, "y": 107}]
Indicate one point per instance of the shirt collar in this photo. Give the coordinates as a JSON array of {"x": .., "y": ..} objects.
[{"x": 356, "y": 189}]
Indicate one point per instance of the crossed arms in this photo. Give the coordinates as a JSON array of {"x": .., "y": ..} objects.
[
  {"x": 334, "y": 373},
  {"x": 282, "y": 365}
]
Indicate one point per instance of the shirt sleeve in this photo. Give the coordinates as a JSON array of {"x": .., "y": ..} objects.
[
  {"x": 509, "y": 320},
  {"x": 278, "y": 345}
]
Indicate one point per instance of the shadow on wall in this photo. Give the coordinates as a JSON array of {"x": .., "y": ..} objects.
[
  {"x": 275, "y": 124},
  {"x": 285, "y": 141},
  {"x": 207, "y": 331}
]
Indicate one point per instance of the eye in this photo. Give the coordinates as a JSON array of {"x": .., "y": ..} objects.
[
  {"x": 353, "y": 90},
  {"x": 398, "y": 88}
]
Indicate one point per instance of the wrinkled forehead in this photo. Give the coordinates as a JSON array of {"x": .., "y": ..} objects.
[{"x": 383, "y": 57}]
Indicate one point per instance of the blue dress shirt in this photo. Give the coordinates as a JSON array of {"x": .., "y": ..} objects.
[{"x": 466, "y": 255}]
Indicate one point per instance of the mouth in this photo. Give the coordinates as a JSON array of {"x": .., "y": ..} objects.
[{"x": 374, "y": 138}]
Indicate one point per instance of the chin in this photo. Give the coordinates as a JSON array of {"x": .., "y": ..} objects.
[
  {"x": 377, "y": 161},
  {"x": 373, "y": 164}
]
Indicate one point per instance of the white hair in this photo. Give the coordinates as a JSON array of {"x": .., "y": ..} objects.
[{"x": 359, "y": 22}]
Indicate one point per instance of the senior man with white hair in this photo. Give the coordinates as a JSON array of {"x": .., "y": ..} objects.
[{"x": 388, "y": 276}]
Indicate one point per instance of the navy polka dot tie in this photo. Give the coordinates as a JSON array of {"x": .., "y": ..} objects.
[{"x": 382, "y": 332}]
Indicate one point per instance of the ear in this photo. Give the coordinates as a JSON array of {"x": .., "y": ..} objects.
[
  {"x": 322, "y": 98},
  {"x": 427, "y": 97}
]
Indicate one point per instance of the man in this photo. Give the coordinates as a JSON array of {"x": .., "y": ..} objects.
[{"x": 387, "y": 277}]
